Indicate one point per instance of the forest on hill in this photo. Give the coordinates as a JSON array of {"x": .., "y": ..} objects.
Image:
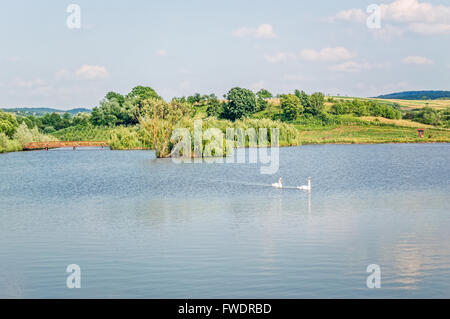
[
  {"x": 417, "y": 95},
  {"x": 39, "y": 111}
]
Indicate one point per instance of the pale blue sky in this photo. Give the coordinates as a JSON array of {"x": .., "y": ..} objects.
[{"x": 180, "y": 47}]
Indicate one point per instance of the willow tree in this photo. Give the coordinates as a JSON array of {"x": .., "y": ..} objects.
[{"x": 159, "y": 118}]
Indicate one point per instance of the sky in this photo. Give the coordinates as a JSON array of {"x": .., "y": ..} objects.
[{"x": 181, "y": 47}]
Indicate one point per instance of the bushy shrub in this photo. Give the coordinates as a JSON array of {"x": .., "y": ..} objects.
[
  {"x": 288, "y": 134},
  {"x": 125, "y": 139},
  {"x": 291, "y": 107},
  {"x": 365, "y": 108},
  {"x": 261, "y": 104},
  {"x": 25, "y": 136},
  {"x": 8, "y": 145},
  {"x": 158, "y": 119},
  {"x": 430, "y": 116},
  {"x": 214, "y": 108},
  {"x": 49, "y": 130}
]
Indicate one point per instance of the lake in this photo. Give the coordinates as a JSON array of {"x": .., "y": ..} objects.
[{"x": 145, "y": 228}]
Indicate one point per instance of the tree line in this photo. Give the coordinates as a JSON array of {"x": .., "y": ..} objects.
[{"x": 123, "y": 110}]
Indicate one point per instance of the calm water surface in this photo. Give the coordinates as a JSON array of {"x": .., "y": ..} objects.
[{"x": 146, "y": 228}]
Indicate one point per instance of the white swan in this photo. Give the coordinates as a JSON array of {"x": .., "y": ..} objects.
[
  {"x": 279, "y": 184},
  {"x": 306, "y": 187}
]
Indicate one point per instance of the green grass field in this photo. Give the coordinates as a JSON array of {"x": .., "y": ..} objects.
[
  {"x": 370, "y": 134},
  {"x": 408, "y": 105}
]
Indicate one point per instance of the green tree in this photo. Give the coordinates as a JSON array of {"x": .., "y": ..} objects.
[
  {"x": 49, "y": 130},
  {"x": 113, "y": 95},
  {"x": 261, "y": 104},
  {"x": 264, "y": 94},
  {"x": 197, "y": 98},
  {"x": 55, "y": 120},
  {"x": 111, "y": 113},
  {"x": 143, "y": 93},
  {"x": 137, "y": 95},
  {"x": 66, "y": 120},
  {"x": 8, "y": 124},
  {"x": 316, "y": 103},
  {"x": 81, "y": 119},
  {"x": 304, "y": 98},
  {"x": 215, "y": 108},
  {"x": 104, "y": 115},
  {"x": 241, "y": 102},
  {"x": 30, "y": 121},
  {"x": 291, "y": 107}
]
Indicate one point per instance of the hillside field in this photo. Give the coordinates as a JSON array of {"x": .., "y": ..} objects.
[{"x": 407, "y": 105}]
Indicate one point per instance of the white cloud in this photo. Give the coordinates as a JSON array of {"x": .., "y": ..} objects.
[
  {"x": 414, "y": 11},
  {"x": 280, "y": 57},
  {"x": 358, "y": 66},
  {"x": 324, "y": 55},
  {"x": 92, "y": 72},
  {"x": 85, "y": 72},
  {"x": 351, "y": 67},
  {"x": 430, "y": 29},
  {"x": 27, "y": 84},
  {"x": 161, "y": 52},
  {"x": 262, "y": 31},
  {"x": 409, "y": 15},
  {"x": 356, "y": 15},
  {"x": 327, "y": 54},
  {"x": 419, "y": 60}
]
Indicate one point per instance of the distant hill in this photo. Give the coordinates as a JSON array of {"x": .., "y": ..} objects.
[
  {"x": 39, "y": 111},
  {"x": 78, "y": 110},
  {"x": 417, "y": 95}
]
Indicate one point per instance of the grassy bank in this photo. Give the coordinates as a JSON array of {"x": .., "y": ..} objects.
[{"x": 368, "y": 134}]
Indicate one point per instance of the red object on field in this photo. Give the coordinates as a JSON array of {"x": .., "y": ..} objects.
[{"x": 421, "y": 132}]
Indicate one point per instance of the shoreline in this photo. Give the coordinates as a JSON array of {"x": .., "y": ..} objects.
[{"x": 281, "y": 146}]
